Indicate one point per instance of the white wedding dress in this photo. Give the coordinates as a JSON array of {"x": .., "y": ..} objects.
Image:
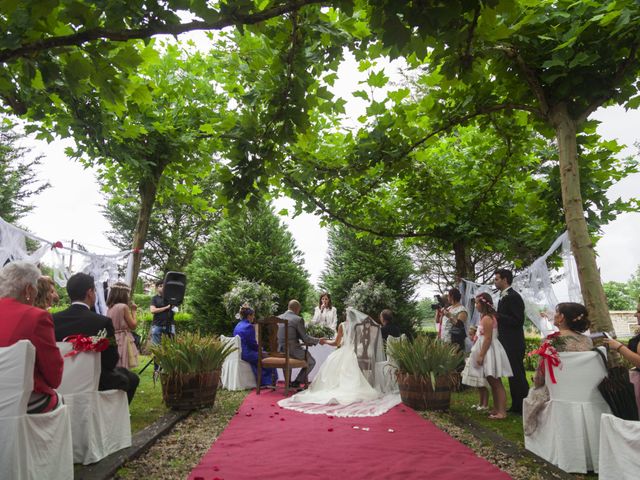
[{"x": 345, "y": 385}]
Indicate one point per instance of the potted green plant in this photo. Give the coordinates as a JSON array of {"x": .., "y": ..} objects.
[
  {"x": 190, "y": 367},
  {"x": 425, "y": 371}
]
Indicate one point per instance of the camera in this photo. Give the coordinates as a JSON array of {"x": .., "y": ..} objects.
[
  {"x": 597, "y": 335},
  {"x": 440, "y": 303}
]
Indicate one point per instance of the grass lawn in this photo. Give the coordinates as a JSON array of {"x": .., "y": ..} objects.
[
  {"x": 510, "y": 428},
  {"x": 147, "y": 406}
]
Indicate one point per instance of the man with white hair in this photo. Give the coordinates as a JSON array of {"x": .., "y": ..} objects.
[{"x": 297, "y": 333}]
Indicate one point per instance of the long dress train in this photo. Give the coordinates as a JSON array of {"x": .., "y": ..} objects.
[{"x": 341, "y": 388}]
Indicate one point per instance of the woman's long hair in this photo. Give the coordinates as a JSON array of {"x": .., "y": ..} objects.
[
  {"x": 118, "y": 293},
  {"x": 325, "y": 294},
  {"x": 485, "y": 304}
]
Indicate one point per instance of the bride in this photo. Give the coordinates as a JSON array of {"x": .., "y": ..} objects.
[{"x": 345, "y": 385}]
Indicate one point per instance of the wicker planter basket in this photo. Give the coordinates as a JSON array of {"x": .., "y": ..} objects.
[
  {"x": 189, "y": 391},
  {"x": 418, "y": 393}
]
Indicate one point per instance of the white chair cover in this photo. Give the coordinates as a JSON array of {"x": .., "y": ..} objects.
[
  {"x": 100, "y": 421},
  {"x": 32, "y": 446},
  {"x": 386, "y": 380},
  {"x": 619, "y": 447},
  {"x": 236, "y": 373},
  {"x": 569, "y": 425},
  {"x": 320, "y": 353}
]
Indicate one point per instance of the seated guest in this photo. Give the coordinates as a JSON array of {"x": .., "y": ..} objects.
[
  {"x": 47, "y": 293},
  {"x": 571, "y": 319},
  {"x": 244, "y": 328},
  {"x": 79, "y": 319},
  {"x": 20, "y": 320},
  {"x": 388, "y": 327},
  {"x": 122, "y": 313}
]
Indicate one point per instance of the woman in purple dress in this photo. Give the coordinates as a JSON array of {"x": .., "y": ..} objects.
[{"x": 244, "y": 328}]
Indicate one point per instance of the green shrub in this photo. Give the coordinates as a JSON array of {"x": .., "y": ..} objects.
[
  {"x": 319, "y": 331},
  {"x": 143, "y": 301},
  {"x": 425, "y": 356},
  {"x": 258, "y": 295},
  {"x": 190, "y": 353},
  {"x": 254, "y": 245},
  {"x": 531, "y": 344}
]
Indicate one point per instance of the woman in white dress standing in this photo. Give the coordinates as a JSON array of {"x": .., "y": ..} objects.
[
  {"x": 488, "y": 358},
  {"x": 325, "y": 313}
]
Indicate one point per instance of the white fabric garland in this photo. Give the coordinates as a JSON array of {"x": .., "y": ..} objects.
[
  {"x": 536, "y": 287},
  {"x": 13, "y": 246}
]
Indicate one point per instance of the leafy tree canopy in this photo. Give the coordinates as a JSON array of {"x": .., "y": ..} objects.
[
  {"x": 176, "y": 229},
  {"x": 18, "y": 180}
]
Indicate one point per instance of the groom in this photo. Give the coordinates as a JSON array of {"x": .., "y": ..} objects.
[
  {"x": 511, "y": 336},
  {"x": 297, "y": 332}
]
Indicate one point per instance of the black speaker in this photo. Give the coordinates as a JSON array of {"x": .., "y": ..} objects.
[{"x": 175, "y": 283}]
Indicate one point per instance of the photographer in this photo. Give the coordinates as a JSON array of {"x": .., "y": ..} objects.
[
  {"x": 163, "y": 322},
  {"x": 454, "y": 320}
]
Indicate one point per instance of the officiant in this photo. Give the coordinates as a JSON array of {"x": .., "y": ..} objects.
[{"x": 325, "y": 313}]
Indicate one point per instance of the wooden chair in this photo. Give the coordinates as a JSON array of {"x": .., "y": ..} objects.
[
  {"x": 367, "y": 335},
  {"x": 275, "y": 359}
]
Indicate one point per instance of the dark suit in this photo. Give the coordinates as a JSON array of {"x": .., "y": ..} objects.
[
  {"x": 390, "y": 329},
  {"x": 511, "y": 336},
  {"x": 78, "y": 319}
]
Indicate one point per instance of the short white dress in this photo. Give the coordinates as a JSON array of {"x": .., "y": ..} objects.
[{"x": 496, "y": 363}]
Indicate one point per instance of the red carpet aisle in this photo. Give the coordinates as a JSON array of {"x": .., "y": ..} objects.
[{"x": 264, "y": 441}]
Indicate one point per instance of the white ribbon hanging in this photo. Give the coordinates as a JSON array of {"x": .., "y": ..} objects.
[
  {"x": 535, "y": 285},
  {"x": 13, "y": 246}
]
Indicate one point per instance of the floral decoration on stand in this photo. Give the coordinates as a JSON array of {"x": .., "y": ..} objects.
[
  {"x": 549, "y": 356},
  {"x": 82, "y": 343}
]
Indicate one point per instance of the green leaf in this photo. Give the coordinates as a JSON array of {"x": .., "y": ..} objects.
[
  {"x": 361, "y": 94},
  {"x": 37, "y": 82},
  {"x": 378, "y": 80}
]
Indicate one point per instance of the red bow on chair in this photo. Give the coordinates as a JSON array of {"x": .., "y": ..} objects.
[
  {"x": 82, "y": 343},
  {"x": 549, "y": 355}
]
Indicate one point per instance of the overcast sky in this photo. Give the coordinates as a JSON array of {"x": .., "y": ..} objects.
[{"x": 71, "y": 208}]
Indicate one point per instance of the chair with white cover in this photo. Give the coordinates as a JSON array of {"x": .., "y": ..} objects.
[
  {"x": 619, "y": 447},
  {"x": 100, "y": 421},
  {"x": 236, "y": 373},
  {"x": 568, "y": 431},
  {"x": 32, "y": 446},
  {"x": 386, "y": 380}
]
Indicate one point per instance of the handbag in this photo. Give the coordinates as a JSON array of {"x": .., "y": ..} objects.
[
  {"x": 132, "y": 352},
  {"x": 457, "y": 330},
  {"x": 617, "y": 390}
]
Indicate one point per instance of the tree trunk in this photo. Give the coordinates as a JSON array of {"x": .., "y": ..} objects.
[
  {"x": 581, "y": 244},
  {"x": 148, "y": 188},
  {"x": 464, "y": 266}
]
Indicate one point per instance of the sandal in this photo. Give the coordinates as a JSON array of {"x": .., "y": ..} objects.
[
  {"x": 497, "y": 417},
  {"x": 482, "y": 408}
]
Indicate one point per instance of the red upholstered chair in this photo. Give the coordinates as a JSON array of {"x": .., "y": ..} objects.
[{"x": 268, "y": 340}]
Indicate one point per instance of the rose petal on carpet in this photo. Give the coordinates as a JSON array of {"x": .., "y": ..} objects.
[{"x": 264, "y": 441}]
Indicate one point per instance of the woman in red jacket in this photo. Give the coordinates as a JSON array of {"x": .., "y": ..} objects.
[{"x": 22, "y": 321}]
